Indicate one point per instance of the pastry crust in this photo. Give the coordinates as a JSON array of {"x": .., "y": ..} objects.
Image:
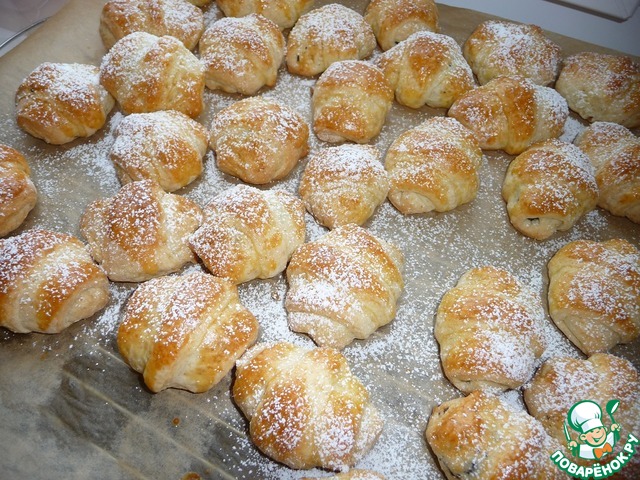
[
  {"x": 185, "y": 331},
  {"x": 344, "y": 184},
  {"x": 594, "y": 293},
  {"x": 343, "y": 286},
  {"x": 141, "y": 232},
  {"x": 59, "y": 102},
  {"x": 284, "y": 13},
  {"x": 18, "y": 194},
  {"x": 433, "y": 166},
  {"x": 305, "y": 408},
  {"x": 48, "y": 282}
]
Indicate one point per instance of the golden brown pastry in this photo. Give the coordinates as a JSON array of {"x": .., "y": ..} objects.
[
  {"x": 427, "y": 69},
  {"x": 141, "y": 232},
  {"x": 185, "y": 331},
  {"x": 352, "y": 474},
  {"x": 614, "y": 152},
  {"x": 350, "y": 101},
  {"x": 18, "y": 194},
  {"x": 326, "y": 35},
  {"x": 344, "y": 184},
  {"x": 511, "y": 113},
  {"x": 498, "y": 48},
  {"x": 305, "y": 407},
  {"x": 396, "y": 20},
  {"x": 146, "y": 73},
  {"x": 482, "y": 436},
  {"x": 433, "y": 166},
  {"x": 59, "y": 102},
  {"x": 342, "y": 286},
  {"x": 47, "y": 282},
  {"x": 548, "y": 188},
  {"x": 242, "y": 55},
  {"x": 249, "y": 233},
  {"x": 165, "y": 146},
  {"x": 177, "y": 18},
  {"x": 258, "y": 140},
  {"x": 199, "y": 3},
  {"x": 284, "y": 13},
  {"x": 594, "y": 293},
  {"x": 601, "y": 87}
]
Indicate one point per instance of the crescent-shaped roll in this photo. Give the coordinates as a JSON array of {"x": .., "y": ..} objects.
[
  {"x": 59, "y": 102},
  {"x": 511, "y": 114},
  {"x": 284, "y": 13},
  {"x": 48, "y": 281},
  {"x": 433, "y": 166},
  {"x": 343, "y": 286},
  {"x": 305, "y": 407},
  {"x": 185, "y": 331},
  {"x": 614, "y": 152},
  {"x": 141, "y": 232},
  {"x": 249, "y": 233},
  {"x": 427, "y": 69},
  {"x": 594, "y": 293},
  {"x": 18, "y": 194},
  {"x": 548, "y": 188}
]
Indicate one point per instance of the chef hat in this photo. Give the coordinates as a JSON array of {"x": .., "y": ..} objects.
[{"x": 585, "y": 416}]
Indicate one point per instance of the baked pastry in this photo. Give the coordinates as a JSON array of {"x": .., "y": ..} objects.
[
  {"x": 242, "y": 55},
  {"x": 548, "y": 188},
  {"x": 497, "y": 48},
  {"x": 18, "y": 194},
  {"x": 483, "y": 436},
  {"x": 433, "y": 166},
  {"x": 141, "y": 232},
  {"x": 511, "y": 113},
  {"x": 165, "y": 146},
  {"x": 284, "y": 13},
  {"x": 199, "y": 3},
  {"x": 48, "y": 282},
  {"x": 59, "y": 102},
  {"x": 326, "y": 35},
  {"x": 490, "y": 330},
  {"x": 146, "y": 73},
  {"x": 594, "y": 293},
  {"x": 601, "y": 87},
  {"x": 615, "y": 155},
  {"x": 350, "y": 101},
  {"x": 396, "y": 20},
  {"x": 305, "y": 407},
  {"x": 344, "y": 184},
  {"x": 427, "y": 69},
  {"x": 185, "y": 331},
  {"x": 249, "y": 233},
  {"x": 352, "y": 474},
  {"x": 344, "y": 285},
  {"x": 177, "y": 18},
  {"x": 258, "y": 140}
]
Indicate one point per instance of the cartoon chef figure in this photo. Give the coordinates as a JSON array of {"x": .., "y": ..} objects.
[{"x": 585, "y": 417}]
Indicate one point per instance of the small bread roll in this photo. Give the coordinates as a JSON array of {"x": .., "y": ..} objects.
[
  {"x": 548, "y": 188},
  {"x": 146, "y": 73},
  {"x": 305, "y": 407},
  {"x": 350, "y": 101},
  {"x": 614, "y": 152},
  {"x": 427, "y": 69},
  {"x": 18, "y": 194},
  {"x": 601, "y": 87},
  {"x": 433, "y": 166},
  {"x": 242, "y": 55},
  {"x": 258, "y": 140},
  {"x": 48, "y": 282},
  {"x": 284, "y": 13},
  {"x": 326, "y": 35},
  {"x": 164, "y": 146},
  {"x": 594, "y": 293},
  {"x": 141, "y": 232},
  {"x": 344, "y": 184},
  {"x": 249, "y": 233},
  {"x": 177, "y": 18},
  {"x": 396, "y": 20},
  {"x": 498, "y": 48},
  {"x": 59, "y": 102}
]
